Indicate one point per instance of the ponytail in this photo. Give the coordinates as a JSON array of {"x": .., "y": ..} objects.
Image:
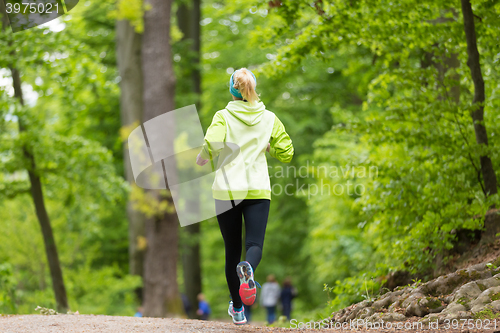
[{"x": 244, "y": 81}]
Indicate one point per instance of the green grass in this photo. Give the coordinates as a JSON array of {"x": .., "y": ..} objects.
[{"x": 487, "y": 314}]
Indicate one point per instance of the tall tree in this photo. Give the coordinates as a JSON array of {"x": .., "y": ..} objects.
[
  {"x": 188, "y": 19},
  {"x": 161, "y": 292},
  {"x": 38, "y": 196},
  {"x": 489, "y": 177},
  {"x": 131, "y": 107}
]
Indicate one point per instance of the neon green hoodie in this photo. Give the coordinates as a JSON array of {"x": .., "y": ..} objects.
[{"x": 251, "y": 127}]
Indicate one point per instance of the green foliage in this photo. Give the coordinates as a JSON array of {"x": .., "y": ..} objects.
[
  {"x": 487, "y": 314},
  {"x": 413, "y": 124},
  {"x": 7, "y": 288},
  {"x": 491, "y": 266},
  {"x": 46, "y": 311},
  {"x": 416, "y": 283},
  {"x": 71, "y": 122},
  {"x": 131, "y": 10},
  {"x": 103, "y": 291},
  {"x": 352, "y": 290}
]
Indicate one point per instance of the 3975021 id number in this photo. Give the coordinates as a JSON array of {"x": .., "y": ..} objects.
[
  {"x": 31, "y": 8},
  {"x": 470, "y": 324}
]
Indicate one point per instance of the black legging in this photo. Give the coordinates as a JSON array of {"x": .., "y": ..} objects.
[{"x": 255, "y": 212}]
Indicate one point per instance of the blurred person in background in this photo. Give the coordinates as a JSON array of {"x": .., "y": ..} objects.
[
  {"x": 248, "y": 312},
  {"x": 203, "y": 308},
  {"x": 287, "y": 294},
  {"x": 270, "y": 296},
  {"x": 186, "y": 304},
  {"x": 139, "y": 312}
]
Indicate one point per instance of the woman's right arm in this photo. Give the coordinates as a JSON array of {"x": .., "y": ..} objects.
[{"x": 281, "y": 146}]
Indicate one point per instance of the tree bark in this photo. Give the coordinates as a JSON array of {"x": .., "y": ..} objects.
[
  {"x": 191, "y": 264},
  {"x": 5, "y": 19},
  {"x": 196, "y": 47},
  {"x": 128, "y": 44},
  {"x": 487, "y": 171},
  {"x": 188, "y": 19},
  {"x": 41, "y": 211},
  {"x": 161, "y": 291}
]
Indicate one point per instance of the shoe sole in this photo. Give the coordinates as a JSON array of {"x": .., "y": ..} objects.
[{"x": 245, "y": 274}]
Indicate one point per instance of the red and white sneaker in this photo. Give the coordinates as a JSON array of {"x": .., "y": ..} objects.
[{"x": 248, "y": 290}]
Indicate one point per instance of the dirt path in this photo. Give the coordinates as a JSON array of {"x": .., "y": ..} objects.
[{"x": 90, "y": 323}]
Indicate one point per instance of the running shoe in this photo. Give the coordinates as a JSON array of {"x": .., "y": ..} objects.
[
  {"x": 248, "y": 290},
  {"x": 238, "y": 316}
]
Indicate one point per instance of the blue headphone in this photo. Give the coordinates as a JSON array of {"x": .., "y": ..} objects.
[{"x": 236, "y": 92}]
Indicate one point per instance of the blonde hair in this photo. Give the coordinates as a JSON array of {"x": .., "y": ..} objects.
[{"x": 243, "y": 81}]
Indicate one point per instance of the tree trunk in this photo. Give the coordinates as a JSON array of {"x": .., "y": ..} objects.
[
  {"x": 191, "y": 263},
  {"x": 196, "y": 47},
  {"x": 41, "y": 211},
  {"x": 161, "y": 292},
  {"x": 37, "y": 196},
  {"x": 188, "y": 19},
  {"x": 128, "y": 44},
  {"x": 487, "y": 171},
  {"x": 5, "y": 19},
  {"x": 189, "y": 23},
  {"x": 445, "y": 63}
]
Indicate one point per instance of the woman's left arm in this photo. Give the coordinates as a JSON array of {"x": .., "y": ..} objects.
[{"x": 216, "y": 133}]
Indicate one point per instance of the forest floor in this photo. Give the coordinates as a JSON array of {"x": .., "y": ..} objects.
[{"x": 482, "y": 252}]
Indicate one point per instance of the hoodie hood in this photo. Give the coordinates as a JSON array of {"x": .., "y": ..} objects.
[{"x": 245, "y": 112}]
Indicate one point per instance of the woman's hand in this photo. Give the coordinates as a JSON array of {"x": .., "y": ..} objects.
[
  {"x": 200, "y": 161},
  {"x": 268, "y": 147}
]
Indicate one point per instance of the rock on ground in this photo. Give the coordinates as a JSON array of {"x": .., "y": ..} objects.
[{"x": 471, "y": 293}]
